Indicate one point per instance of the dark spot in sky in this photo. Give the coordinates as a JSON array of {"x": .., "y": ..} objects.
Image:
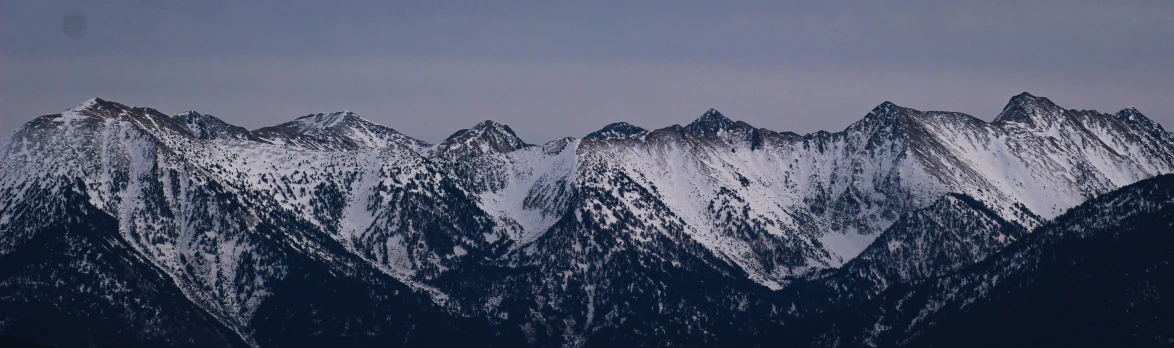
[{"x": 74, "y": 24}]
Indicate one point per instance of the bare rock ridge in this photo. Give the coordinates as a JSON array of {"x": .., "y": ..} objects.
[
  {"x": 616, "y": 130},
  {"x": 484, "y": 138},
  {"x": 208, "y": 127},
  {"x": 1027, "y": 109},
  {"x": 710, "y": 122}
]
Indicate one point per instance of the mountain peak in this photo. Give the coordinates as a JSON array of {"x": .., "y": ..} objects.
[
  {"x": 97, "y": 104},
  {"x": 709, "y": 123},
  {"x": 1027, "y": 109},
  {"x": 188, "y": 115},
  {"x": 883, "y": 116},
  {"x": 208, "y": 127},
  {"x": 94, "y": 101},
  {"x": 491, "y": 126},
  {"x": 487, "y": 123},
  {"x": 89, "y": 103},
  {"x": 485, "y": 127},
  {"x": 98, "y": 107},
  {"x": 615, "y": 131},
  {"x": 1029, "y": 99},
  {"x": 1131, "y": 114},
  {"x": 485, "y": 137},
  {"x": 1027, "y": 96},
  {"x": 337, "y": 130},
  {"x": 887, "y": 108},
  {"x": 320, "y": 121},
  {"x": 886, "y": 105}
]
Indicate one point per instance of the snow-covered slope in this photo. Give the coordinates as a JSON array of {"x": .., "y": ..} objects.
[
  {"x": 570, "y": 241},
  {"x": 527, "y": 189},
  {"x": 242, "y": 226},
  {"x": 70, "y": 279},
  {"x": 954, "y": 232},
  {"x": 1098, "y": 275},
  {"x": 780, "y": 205}
]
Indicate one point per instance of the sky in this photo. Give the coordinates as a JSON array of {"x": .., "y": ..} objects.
[{"x": 554, "y": 69}]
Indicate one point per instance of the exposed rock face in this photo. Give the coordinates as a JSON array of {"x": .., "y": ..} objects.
[
  {"x": 616, "y": 130},
  {"x": 487, "y": 137}
]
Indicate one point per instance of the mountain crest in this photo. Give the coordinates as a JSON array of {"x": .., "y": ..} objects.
[
  {"x": 319, "y": 121},
  {"x": 1130, "y": 114},
  {"x": 887, "y": 115},
  {"x": 208, "y": 127},
  {"x": 709, "y": 123},
  {"x": 105, "y": 108},
  {"x": 1028, "y": 109},
  {"x": 886, "y": 108},
  {"x": 327, "y": 225},
  {"x": 147, "y": 118},
  {"x": 491, "y": 125},
  {"x": 342, "y": 130},
  {"x": 615, "y": 131},
  {"x": 484, "y": 138},
  {"x": 94, "y": 104},
  {"x": 187, "y": 114}
]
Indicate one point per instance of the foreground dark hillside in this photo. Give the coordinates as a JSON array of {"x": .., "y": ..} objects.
[{"x": 1098, "y": 276}]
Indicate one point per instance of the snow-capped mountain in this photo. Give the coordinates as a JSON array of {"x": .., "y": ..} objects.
[{"x": 572, "y": 242}]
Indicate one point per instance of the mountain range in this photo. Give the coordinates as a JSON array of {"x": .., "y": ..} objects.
[{"x": 123, "y": 225}]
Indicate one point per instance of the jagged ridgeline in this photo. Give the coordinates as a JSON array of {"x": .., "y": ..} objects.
[{"x": 123, "y": 225}]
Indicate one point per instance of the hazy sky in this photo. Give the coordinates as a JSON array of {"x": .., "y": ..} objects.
[{"x": 552, "y": 70}]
